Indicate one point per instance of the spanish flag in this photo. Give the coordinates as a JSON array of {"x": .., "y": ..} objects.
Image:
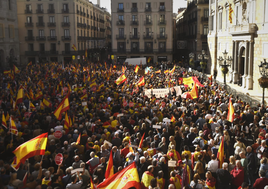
[
  {"x": 190, "y": 81},
  {"x": 86, "y": 53},
  {"x": 141, "y": 82},
  {"x": 230, "y": 14},
  {"x": 92, "y": 186},
  {"x": 66, "y": 122},
  {"x": 38, "y": 95},
  {"x": 136, "y": 69},
  {"x": 172, "y": 119},
  {"x": 194, "y": 92},
  {"x": 172, "y": 71},
  {"x": 159, "y": 71},
  {"x": 141, "y": 140},
  {"x": 47, "y": 103},
  {"x": 121, "y": 79},
  {"x": 16, "y": 70},
  {"x": 63, "y": 106},
  {"x": 13, "y": 128},
  {"x": 74, "y": 47},
  {"x": 4, "y": 122},
  {"x": 19, "y": 95},
  {"x": 30, "y": 63},
  {"x": 93, "y": 84},
  {"x": 7, "y": 117},
  {"x": 78, "y": 139},
  {"x": 6, "y": 72},
  {"x": 130, "y": 148},
  {"x": 126, "y": 178},
  {"x": 33, "y": 147},
  {"x": 230, "y": 115},
  {"x": 84, "y": 78},
  {"x": 31, "y": 105},
  {"x": 88, "y": 78},
  {"x": 109, "y": 169},
  {"x": 83, "y": 96},
  {"x": 220, "y": 154},
  {"x": 149, "y": 59},
  {"x": 166, "y": 71}
]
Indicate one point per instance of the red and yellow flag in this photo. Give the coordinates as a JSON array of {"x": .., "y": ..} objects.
[
  {"x": 33, "y": 147},
  {"x": 172, "y": 119},
  {"x": 63, "y": 106},
  {"x": 129, "y": 146},
  {"x": 31, "y": 105},
  {"x": 172, "y": 71},
  {"x": 166, "y": 71},
  {"x": 121, "y": 79},
  {"x": 7, "y": 117},
  {"x": 16, "y": 70},
  {"x": 141, "y": 82},
  {"x": 19, "y": 95},
  {"x": 38, "y": 95},
  {"x": 78, "y": 139},
  {"x": 159, "y": 71},
  {"x": 6, "y": 72},
  {"x": 66, "y": 122},
  {"x": 220, "y": 154},
  {"x": 47, "y": 103},
  {"x": 92, "y": 186},
  {"x": 230, "y": 115},
  {"x": 231, "y": 14},
  {"x": 141, "y": 140},
  {"x": 136, "y": 69},
  {"x": 74, "y": 47},
  {"x": 109, "y": 169},
  {"x": 13, "y": 128},
  {"x": 194, "y": 92},
  {"x": 126, "y": 178},
  {"x": 4, "y": 122},
  {"x": 84, "y": 96}
]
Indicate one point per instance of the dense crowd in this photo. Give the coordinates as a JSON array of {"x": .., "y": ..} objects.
[{"x": 108, "y": 125}]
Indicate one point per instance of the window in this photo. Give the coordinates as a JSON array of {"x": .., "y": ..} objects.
[
  {"x": 40, "y": 7},
  {"x": 9, "y": 4},
  {"x": 30, "y": 47},
  {"x": 211, "y": 23},
  {"x": 2, "y": 34},
  {"x": 41, "y": 33},
  {"x": 66, "y": 19},
  {"x": 162, "y": 6},
  {"x": 51, "y": 6},
  {"x": 206, "y": 13},
  {"x": 11, "y": 31},
  {"x": 67, "y": 47},
  {"x": 65, "y": 7},
  {"x": 42, "y": 47},
  {"x": 205, "y": 30},
  {"x": 40, "y": 19},
  {"x": 135, "y": 31},
  {"x": 162, "y": 18},
  {"x": 121, "y": 45},
  {"x": 53, "y": 47},
  {"x": 52, "y": 19},
  {"x": 204, "y": 46},
  {"x": 30, "y": 33},
  {"x": 120, "y": 6},
  {"x": 53, "y": 33},
  {"x": 162, "y": 31},
  {"x": 121, "y": 31},
  {"x": 149, "y": 45},
  {"x": 220, "y": 20},
  {"x": 29, "y": 19},
  {"x": 121, "y": 17},
  {"x": 135, "y": 45},
  {"x": 78, "y": 33},
  {"x": 66, "y": 33},
  {"x": 162, "y": 46},
  {"x": 134, "y": 18},
  {"x": 148, "y": 18},
  {"x": 134, "y": 5},
  {"x": 29, "y": 7},
  {"x": 148, "y": 5},
  {"x": 148, "y": 31},
  {"x": 219, "y": 47}
]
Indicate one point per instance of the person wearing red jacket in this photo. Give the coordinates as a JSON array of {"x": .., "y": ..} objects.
[
  {"x": 261, "y": 182},
  {"x": 237, "y": 175}
]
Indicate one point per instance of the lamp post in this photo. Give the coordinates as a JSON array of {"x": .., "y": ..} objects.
[
  {"x": 225, "y": 63},
  {"x": 263, "y": 81},
  {"x": 203, "y": 58}
]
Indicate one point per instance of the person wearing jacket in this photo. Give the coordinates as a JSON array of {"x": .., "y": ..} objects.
[{"x": 237, "y": 175}]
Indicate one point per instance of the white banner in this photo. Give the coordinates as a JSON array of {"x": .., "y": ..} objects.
[{"x": 162, "y": 92}]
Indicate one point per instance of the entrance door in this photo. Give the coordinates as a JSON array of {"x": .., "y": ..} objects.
[{"x": 241, "y": 66}]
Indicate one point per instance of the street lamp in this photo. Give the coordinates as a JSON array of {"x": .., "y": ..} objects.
[
  {"x": 191, "y": 62},
  {"x": 225, "y": 63},
  {"x": 203, "y": 58},
  {"x": 263, "y": 68}
]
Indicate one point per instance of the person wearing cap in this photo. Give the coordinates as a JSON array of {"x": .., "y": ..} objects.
[{"x": 147, "y": 177}]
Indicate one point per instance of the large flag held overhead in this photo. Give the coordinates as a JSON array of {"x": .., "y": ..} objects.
[
  {"x": 126, "y": 178},
  {"x": 19, "y": 95},
  {"x": 4, "y": 122},
  {"x": 141, "y": 82},
  {"x": 16, "y": 70},
  {"x": 47, "y": 103},
  {"x": 63, "y": 106},
  {"x": 194, "y": 92},
  {"x": 33, "y": 147},
  {"x": 136, "y": 69},
  {"x": 13, "y": 128},
  {"x": 220, "y": 154},
  {"x": 190, "y": 81},
  {"x": 121, "y": 79},
  {"x": 109, "y": 169},
  {"x": 230, "y": 115}
]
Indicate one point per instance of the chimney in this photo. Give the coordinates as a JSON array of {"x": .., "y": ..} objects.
[{"x": 98, "y": 2}]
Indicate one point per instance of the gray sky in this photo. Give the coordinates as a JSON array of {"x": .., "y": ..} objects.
[{"x": 176, "y": 4}]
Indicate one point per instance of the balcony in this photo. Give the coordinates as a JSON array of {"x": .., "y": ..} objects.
[
  {"x": 120, "y": 23},
  {"x": 102, "y": 30},
  {"x": 162, "y": 22},
  {"x": 39, "y": 11},
  {"x": 52, "y": 38},
  {"x": 28, "y": 11},
  {"x": 121, "y": 50},
  {"x": 81, "y": 13},
  {"x": 120, "y": 36},
  {"x": 81, "y": 38},
  {"x": 51, "y": 24},
  {"x": 65, "y": 38},
  {"x": 53, "y": 52},
  {"x": 204, "y": 19},
  {"x": 88, "y": 26},
  {"x": 40, "y": 24},
  {"x": 148, "y": 9},
  {"x": 101, "y": 21},
  {"x": 162, "y": 36},
  {"x": 50, "y": 11},
  {"x": 64, "y": 10},
  {"x": 77, "y": 11},
  {"x": 84, "y": 25},
  {"x": 120, "y": 10},
  {"x": 134, "y": 23},
  {"x": 203, "y": 36},
  {"x": 109, "y": 36},
  {"x": 192, "y": 20},
  {"x": 164, "y": 50},
  {"x": 65, "y": 24},
  {"x": 134, "y": 36},
  {"x": 28, "y": 24},
  {"x": 87, "y": 38},
  {"x": 147, "y": 36},
  {"x": 134, "y": 9},
  {"x": 148, "y": 22},
  {"x": 29, "y": 38},
  {"x": 40, "y": 38},
  {"x": 79, "y": 25},
  {"x": 133, "y": 51},
  {"x": 162, "y": 9},
  {"x": 147, "y": 50},
  {"x": 31, "y": 53}
]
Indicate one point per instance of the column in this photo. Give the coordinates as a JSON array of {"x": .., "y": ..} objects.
[
  {"x": 249, "y": 85},
  {"x": 232, "y": 64},
  {"x": 244, "y": 81},
  {"x": 235, "y": 74}
]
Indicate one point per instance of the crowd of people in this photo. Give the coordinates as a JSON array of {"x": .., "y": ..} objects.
[{"x": 190, "y": 131}]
